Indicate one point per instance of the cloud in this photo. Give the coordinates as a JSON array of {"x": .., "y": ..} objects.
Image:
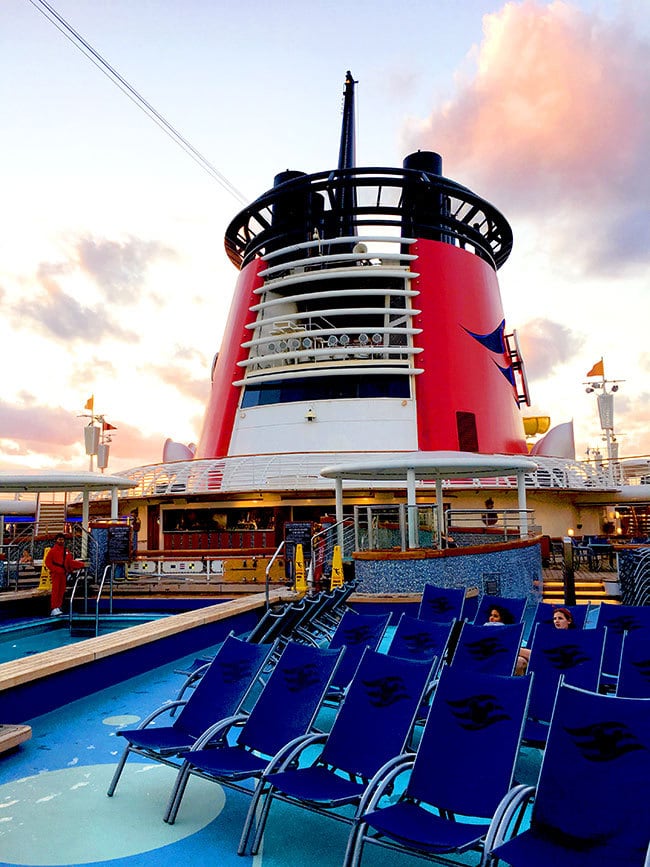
[
  {"x": 37, "y": 426},
  {"x": 59, "y": 315},
  {"x": 52, "y": 436},
  {"x": 545, "y": 345},
  {"x": 134, "y": 447},
  {"x": 553, "y": 123},
  {"x": 86, "y": 375},
  {"x": 180, "y": 379},
  {"x": 631, "y": 421},
  {"x": 119, "y": 268}
]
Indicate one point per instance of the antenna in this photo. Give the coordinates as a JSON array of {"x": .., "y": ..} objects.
[
  {"x": 347, "y": 191},
  {"x": 348, "y": 149}
]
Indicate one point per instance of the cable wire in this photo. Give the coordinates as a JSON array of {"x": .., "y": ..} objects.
[{"x": 113, "y": 75}]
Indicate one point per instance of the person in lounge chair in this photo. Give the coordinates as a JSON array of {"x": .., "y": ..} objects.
[{"x": 562, "y": 619}]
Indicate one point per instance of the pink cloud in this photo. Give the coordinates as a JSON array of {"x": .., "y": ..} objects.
[
  {"x": 119, "y": 267},
  {"x": 554, "y": 123},
  {"x": 180, "y": 379},
  {"x": 545, "y": 345},
  {"x": 39, "y": 434},
  {"x": 57, "y": 314}
]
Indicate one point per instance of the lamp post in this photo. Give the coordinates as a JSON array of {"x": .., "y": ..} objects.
[
  {"x": 97, "y": 438},
  {"x": 605, "y": 389}
]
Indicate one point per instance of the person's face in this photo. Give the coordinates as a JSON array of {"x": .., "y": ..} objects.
[
  {"x": 560, "y": 620},
  {"x": 59, "y": 541},
  {"x": 494, "y": 617}
]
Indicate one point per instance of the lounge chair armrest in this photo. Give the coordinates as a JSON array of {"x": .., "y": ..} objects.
[
  {"x": 383, "y": 779},
  {"x": 293, "y": 748},
  {"x": 512, "y": 805},
  {"x": 164, "y": 708},
  {"x": 291, "y": 751},
  {"x": 215, "y": 729}
]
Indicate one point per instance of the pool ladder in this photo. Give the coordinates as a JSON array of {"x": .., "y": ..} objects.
[{"x": 83, "y": 623}]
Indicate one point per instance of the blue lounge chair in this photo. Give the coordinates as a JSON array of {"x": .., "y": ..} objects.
[
  {"x": 330, "y": 617},
  {"x": 374, "y": 724},
  {"x": 576, "y": 655},
  {"x": 544, "y": 614},
  {"x": 488, "y": 649},
  {"x": 463, "y": 768},
  {"x": 286, "y": 708},
  {"x": 220, "y": 693},
  {"x": 355, "y": 632},
  {"x": 515, "y": 606},
  {"x": 591, "y": 805},
  {"x": 619, "y": 619},
  {"x": 420, "y": 639},
  {"x": 442, "y": 604},
  {"x": 634, "y": 673}
]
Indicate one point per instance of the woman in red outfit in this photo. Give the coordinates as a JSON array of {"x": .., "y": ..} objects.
[{"x": 60, "y": 562}]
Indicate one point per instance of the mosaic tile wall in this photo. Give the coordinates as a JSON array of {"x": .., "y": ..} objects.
[{"x": 516, "y": 572}]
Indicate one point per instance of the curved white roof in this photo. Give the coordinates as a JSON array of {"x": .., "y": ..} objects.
[
  {"x": 38, "y": 481},
  {"x": 432, "y": 465}
]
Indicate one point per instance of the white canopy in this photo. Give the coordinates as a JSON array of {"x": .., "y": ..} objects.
[
  {"x": 39, "y": 482},
  {"x": 436, "y": 466}
]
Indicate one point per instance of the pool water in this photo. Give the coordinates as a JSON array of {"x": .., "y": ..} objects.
[{"x": 19, "y": 639}]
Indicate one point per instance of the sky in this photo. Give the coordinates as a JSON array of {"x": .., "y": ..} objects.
[{"x": 113, "y": 277}]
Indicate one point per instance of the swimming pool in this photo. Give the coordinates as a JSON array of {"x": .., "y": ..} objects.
[{"x": 19, "y": 639}]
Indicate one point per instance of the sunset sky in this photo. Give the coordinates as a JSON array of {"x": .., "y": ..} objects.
[{"x": 113, "y": 277}]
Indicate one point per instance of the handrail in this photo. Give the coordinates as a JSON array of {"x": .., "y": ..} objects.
[
  {"x": 325, "y": 531},
  {"x": 81, "y": 574},
  {"x": 107, "y": 568},
  {"x": 267, "y": 574}
]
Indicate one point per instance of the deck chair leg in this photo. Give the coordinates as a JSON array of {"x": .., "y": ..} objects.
[
  {"x": 355, "y": 845},
  {"x": 249, "y": 823},
  {"x": 261, "y": 822},
  {"x": 118, "y": 771},
  {"x": 174, "y": 803}
]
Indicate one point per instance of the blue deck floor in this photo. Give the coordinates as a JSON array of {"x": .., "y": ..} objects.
[{"x": 54, "y": 809}]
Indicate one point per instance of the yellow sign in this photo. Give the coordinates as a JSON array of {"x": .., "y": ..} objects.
[
  {"x": 337, "y": 568},
  {"x": 300, "y": 585},
  {"x": 45, "y": 581}
]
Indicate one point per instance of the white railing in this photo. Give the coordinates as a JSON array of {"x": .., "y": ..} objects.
[{"x": 302, "y": 472}]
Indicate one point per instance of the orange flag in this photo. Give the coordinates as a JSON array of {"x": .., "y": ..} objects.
[
  {"x": 90, "y": 403},
  {"x": 598, "y": 369},
  {"x": 107, "y": 426}
]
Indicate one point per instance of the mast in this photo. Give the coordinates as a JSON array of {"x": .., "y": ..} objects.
[
  {"x": 347, "y": 149},
  {"x": 347, "y": 192}
]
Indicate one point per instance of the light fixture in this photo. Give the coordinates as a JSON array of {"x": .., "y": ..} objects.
[
  {"x": 376, "y": 338},
  {"x": 307, "y": 342},
  {"x": 589, "y": 390},
  {"x": 344, "y": 339},
  {"x": 294, "y": 343},
  {"x": 571, "y": 531},
  {"x": 614, "y": 388},
  {"x": 363, "y": 339},
  {"x": 272, "y": 347},
  {"x": 310, "y": 415},
  {"x": 332, "y": 340}
]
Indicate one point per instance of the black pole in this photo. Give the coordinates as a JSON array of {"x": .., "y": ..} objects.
[
  {"x": 348, "y": 148},
  {"x": 567, "y": 569},
  {"x": 347, "y": 191}
]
